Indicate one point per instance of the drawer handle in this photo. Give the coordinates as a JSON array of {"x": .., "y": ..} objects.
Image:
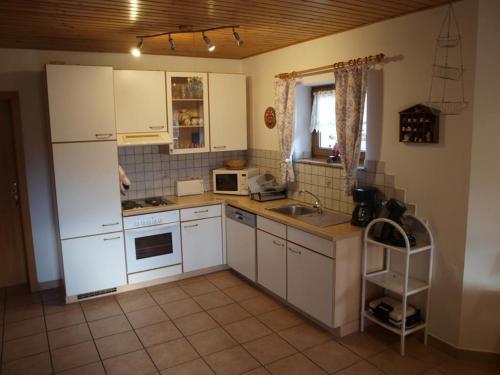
[
  {"x": 157, "y": 127},
  {"x": 219, "y": 147},
  {"x": 103, "y": 135},
  {"x": 112, "y": 238},
  {"x": 279, "y": 244},
  {"x": 294, "y": 251},
  {"x": 200, "y": 212},
  {"x": 191, "y": 226},
  {"x": 110, "y": 224}
]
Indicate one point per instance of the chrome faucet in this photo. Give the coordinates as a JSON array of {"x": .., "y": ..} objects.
[{"x": 317, "y": 204}]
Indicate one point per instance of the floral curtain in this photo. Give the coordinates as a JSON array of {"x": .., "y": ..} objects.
[
  {"x": 350, "y": 87},
  {"x": 284, "y": 102}
]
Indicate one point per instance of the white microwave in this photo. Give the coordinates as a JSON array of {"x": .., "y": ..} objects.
[{"x": 229, "y": 181}]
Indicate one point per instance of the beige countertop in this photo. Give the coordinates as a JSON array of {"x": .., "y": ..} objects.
[{"x": 259, "y": 208}]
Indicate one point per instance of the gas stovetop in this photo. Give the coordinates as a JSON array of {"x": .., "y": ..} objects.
[{"x": 144, "y": 203}]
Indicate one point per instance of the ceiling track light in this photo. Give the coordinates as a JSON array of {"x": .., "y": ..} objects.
[{"x": 136, "y": 51}]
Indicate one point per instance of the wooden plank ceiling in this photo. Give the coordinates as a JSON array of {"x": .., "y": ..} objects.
[{"x": 112, "y": 25}]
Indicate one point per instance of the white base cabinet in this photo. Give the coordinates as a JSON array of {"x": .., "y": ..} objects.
[
  {"x": 201, "y": 243},
  {"x": 310, "y": 283},
  {"x": 94, "y": 263},
  {"x": 240, "y": 240},
  {"x": 271, "y": 263}
]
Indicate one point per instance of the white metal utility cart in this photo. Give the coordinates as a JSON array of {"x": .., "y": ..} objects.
[{"x": 398, "y": 283}]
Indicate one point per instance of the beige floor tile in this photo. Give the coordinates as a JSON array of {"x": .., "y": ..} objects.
[
  {"x": 224, "y": 279},
  {"x": 427, "y": 354},
  {"x": 231, "y": 361},
  {"x": 269, "y": 348},
  {"x": 101, "y": 308},
  {"x": 196, "y": 367},
  {"x": 158, "y": 333},
  {"x": 38, "y": 364},
  {"x": 156, "y": 288},
  {"x": 432, "y": 371},
  {"x": 212, "y": 341},
  {"x": 464, "y": 367},
  {"x": 169, "y": 295},
  {"x": 109, "y": 326},
  {"x": 23, "y": 312},
  {"x": 181, "y": 308},
  {"x": 197, "y": 288},
  {"x": 242, "y": 292},
  {"x": 296, "y": 364},
  {"x": 280, "y": 319},
  {"x": 305, "y": 336},
  {"x": 95, "y": 368},
  {"x": 213, "y": 300},
  {"x": 57, "y": 306},
  {"x": 360, "y": 368},
  {"x": 247, "y": 329},
  {"x": 228, "y": 314},
  {"x": 260, "y": 305},
  {"x": 257, "y": 371},
  {"x": 24, "y": 328},
  {"x": 69, "y": 336},
  {"x": 146, "y": 317},
  {"x": 65, "y": 318},
  {"x": 52, "y": 294},
  {"x": 195, "y": 323},
  {"x": 331, "y": 356},
  {"x": 137, "y": 301},
  {"x": 392, "y": 363},
  {"x": 362, "y": 344},
  {"x": 172, "y": 353},
  {"x": 74, "y": 356},
  {"x": 24, "y": 347},
  {"x": 135, "y": 363},
  {"x": 121, "y": 343}
]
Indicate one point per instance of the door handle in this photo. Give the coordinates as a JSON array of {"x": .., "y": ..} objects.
[
  {"x": 294, "y": 251},
  {"x": 278, "y": 244},
  {"x": 110, "y": 224},
  {"x": 157, "y": 127},
  {"x": 15, "y": 192},
  {"x": 103, "y": 135},
  {"x": 219, "y": 147},
  {"x": 201, "y": 211},
  {"x": 112, "y": 238},
  {"x": 191, "y": 226}
]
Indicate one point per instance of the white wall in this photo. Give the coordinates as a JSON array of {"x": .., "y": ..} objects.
[
  {"x": 480, "y": 324},
  {"x": 435, "y": 177},
  {"x": 22, "y": 71}
]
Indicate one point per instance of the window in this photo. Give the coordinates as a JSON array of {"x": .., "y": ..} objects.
[{"x": 322, "y": 127}]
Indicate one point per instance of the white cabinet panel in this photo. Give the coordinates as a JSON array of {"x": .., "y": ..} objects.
[
  {"x": 87, "y": 189},
  {"x": 81, "y": 103},
  {"x": 201, "y": 243},
  {"x": 228, "y": 112},
  {"x": 140, "y": 101},
  {"x": 240, "y": 245},
  {"x": 271, "y": 263},
  {"x": 93, "y": 263},
  {"x": 204, "y": 212},
  {"x": 318, "y": 244},
  {"x": 310, "y": 282}
]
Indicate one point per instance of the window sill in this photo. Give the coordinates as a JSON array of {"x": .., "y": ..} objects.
[{"x": 323, "y": 163}]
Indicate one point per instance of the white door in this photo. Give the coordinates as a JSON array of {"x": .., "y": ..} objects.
[
  {"x": 140, "y": 101},
  {"x": 240, "y": 247},
  {"x": 81, "y": 103},
  {"x": 271, "y": 263},
  {"x": 310, "y": 282},
  {"x": 228, "y": 112},
  {"x": 87, "y": 189},
  {"x": 201, "y": 243},
  {"x": 93, "y": 263}
]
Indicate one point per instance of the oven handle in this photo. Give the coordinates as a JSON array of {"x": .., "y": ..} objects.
[{"x": 152, "y": 228}]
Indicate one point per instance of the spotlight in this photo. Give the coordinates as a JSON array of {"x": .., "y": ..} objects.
[
  {"x": 172, "y": 42},
  {"x": 211, "y": 47},
  {"x": 136, "y": 51},
  {"x": 239, "y": 42}
]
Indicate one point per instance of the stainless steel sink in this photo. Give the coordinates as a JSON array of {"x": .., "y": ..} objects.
[{"x": 311, "y": 215}]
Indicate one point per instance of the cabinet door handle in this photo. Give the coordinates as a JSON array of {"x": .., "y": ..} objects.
[
  {"x": 201, "y": 211},
  {"x": 103, "y": 135},
  {"x": 112, "y": 238},
  {"x": 191, "y": 226},
  {"x": 110, "y": 224},
  {"x": 278, "y": 244},
  {"x": 294, "y": 251},
  {"x": 220, "y": 147},
  {"x": 157, "y": 127}
]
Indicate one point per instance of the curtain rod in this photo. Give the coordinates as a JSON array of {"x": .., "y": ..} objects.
[{"x": 371, "y": 59}]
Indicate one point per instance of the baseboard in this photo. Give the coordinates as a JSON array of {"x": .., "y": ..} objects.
[
  {"x": 464, "y": 354},
  {"x": 48, "y": 285}
]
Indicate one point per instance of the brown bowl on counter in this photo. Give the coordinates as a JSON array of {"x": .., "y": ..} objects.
[{"x": 236, "y": 164}]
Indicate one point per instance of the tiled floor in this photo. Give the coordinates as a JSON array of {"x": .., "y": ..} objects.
[{"x": 205, "y": 325}]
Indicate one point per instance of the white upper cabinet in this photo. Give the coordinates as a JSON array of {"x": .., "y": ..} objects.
[
  {"x": 81, "y": 103},
  {"x": 87, "y": 189},
  {"x": 140, "y": 101},
  {"x": 228, "y": 112}
]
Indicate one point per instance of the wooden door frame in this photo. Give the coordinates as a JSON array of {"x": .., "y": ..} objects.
[{"x": 13, "y": 99}]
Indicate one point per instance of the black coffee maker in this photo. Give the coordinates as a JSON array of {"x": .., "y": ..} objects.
[{"x": 366, "y": 199}]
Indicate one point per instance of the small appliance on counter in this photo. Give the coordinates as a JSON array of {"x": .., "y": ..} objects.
[
  {"x": 266, "y": 188},
  {"x": 229, "y": 181},
  {"x": 189, "y": 187},
  {"x": 386, "y": 232},
  {"x": 366, "y": 199}
]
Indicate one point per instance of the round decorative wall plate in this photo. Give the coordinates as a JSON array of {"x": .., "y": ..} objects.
[{"x": 270, "y": 117}]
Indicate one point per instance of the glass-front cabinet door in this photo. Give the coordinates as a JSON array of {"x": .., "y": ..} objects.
[{"x": 187, "y": 99}]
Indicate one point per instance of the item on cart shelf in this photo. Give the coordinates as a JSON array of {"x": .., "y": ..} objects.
[
  {"x": 366, "y": 198},
  {"x": 386, "y": 232},
  {"x": 389, "y": 310}
]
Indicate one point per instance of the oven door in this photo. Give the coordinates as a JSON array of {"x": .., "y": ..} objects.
[
  {"x": 153, "y": 247},
  {"x": 226, "y": 183}
]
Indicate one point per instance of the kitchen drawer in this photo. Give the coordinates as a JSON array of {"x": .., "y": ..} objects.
[
  {"x": 310, "y": 241},
  {"x": 271, "y": 226},
  {"x": 203, "y": 212}
]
